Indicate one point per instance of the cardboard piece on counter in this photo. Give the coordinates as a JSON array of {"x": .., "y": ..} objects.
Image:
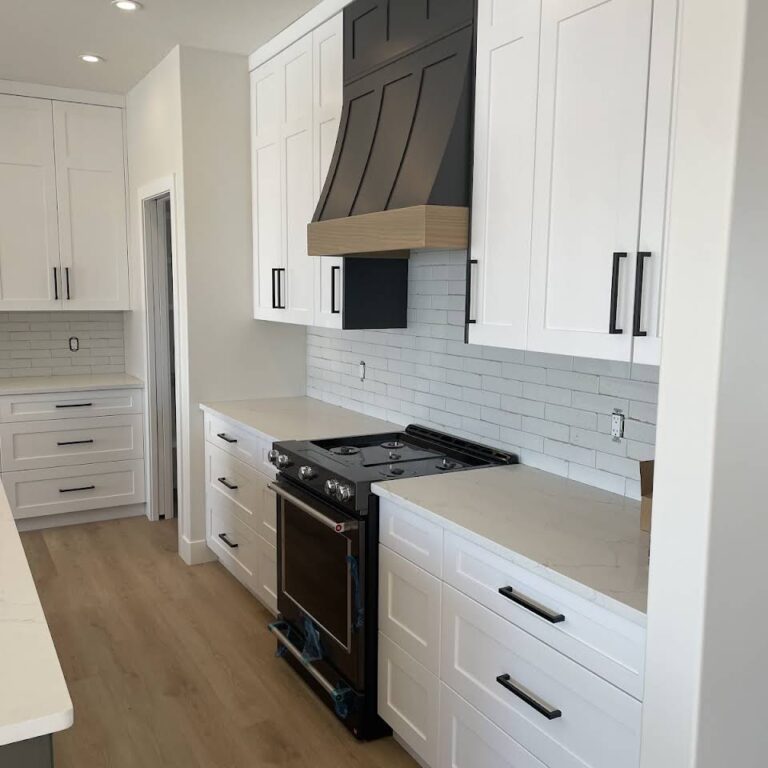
[{"x": 646, "y": 491}]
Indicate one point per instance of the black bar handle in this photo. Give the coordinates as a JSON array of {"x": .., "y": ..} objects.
[
  {"x": 334, "y": 271},
  {"x": 66, "y": 277},
  {"x": 225, "y": 539},
  {"x": 75, "y": 442},
  {"x": 470, "y": 320},
  {"x": 56, "y": 283},
  {"x": 226, "y": 438},
  {"x": 227, "y": 484},
  {"x": 76, "y": 405},
  {"x": 275, "y": 270},
  {"x": 531, "y": 699},
  {"x": 534, "y": 607},
  {"x": 641, "y": 257},
  {"x": 617, "y": 257},
  {"x": 280, "y": 285},
  {"x": 82, "y": 488}
]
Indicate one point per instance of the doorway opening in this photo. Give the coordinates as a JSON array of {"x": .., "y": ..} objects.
[{"x": 163, "y": 432}]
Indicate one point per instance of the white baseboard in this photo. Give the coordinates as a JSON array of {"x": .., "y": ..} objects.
[
  {"x": 78, "y": 518},
  {"x": 410, "y": 752},
  {"x": 195, "y": 552}
]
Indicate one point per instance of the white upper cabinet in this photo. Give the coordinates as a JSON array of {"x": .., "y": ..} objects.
[
  {"x": 63, "y": 240},
  {"x": 505, "y": 140},
  {"x": 328, "y": 48},
  {"x": 284, "y": 184},
  {"x": 573, "y": 111},
  {"x": 29, "y": 240},
  {"x": 90, "y": 178}
]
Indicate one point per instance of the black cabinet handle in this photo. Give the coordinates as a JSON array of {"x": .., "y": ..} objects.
[
  {"x": 225, "y": 539},
  {"x": 617, "y": 257},
  {"x": 75, "y": 442},
  {"x": 281, "y": 285},
  {"x": 530, "y": 698},
  {"x": 277, "y": 288},
  {"x": 531, "y": 605},
  {"x": 334, "y": 272},
  {"x": 81, "y": 488},
  {"x": 468, "y": 310},
  {"x": 75, "y": 405},
  {"x": 66, "y": 279},
  {"x": 641, "y": 257},
  {"x": 56, "y": 283},
  {"x": 226, "y": 438},
  {"x": 227, "y": 484}
]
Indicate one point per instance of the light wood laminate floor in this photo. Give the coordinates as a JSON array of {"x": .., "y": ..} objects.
[{"x": 173, "y": 666}]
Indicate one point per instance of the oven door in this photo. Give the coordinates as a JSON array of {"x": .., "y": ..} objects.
[{"x": 320, "y": 579}]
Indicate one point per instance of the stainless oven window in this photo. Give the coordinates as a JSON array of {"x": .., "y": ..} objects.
[{"x": 316, "y": 573}]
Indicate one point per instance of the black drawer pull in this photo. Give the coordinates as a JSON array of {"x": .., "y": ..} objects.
[
  {"x": 225, "y": 539},
  {"x": 227, "y": 484},
  {"x": 55, "y": 283},
  {"x": 75, "y": 442},
  {"x": 226, "y": 438},
  {"x": 66, "y": 275},
  {"x": 637, "y": 320},
  {"x": 76, "y": 405},
  {"x": 335, "y": 271},
  {"x": 531, "y": 605},
  {"x": 530, "y": 698},
  {"x": 612, "y": 327},
  {"x": 81, "y": 488}
]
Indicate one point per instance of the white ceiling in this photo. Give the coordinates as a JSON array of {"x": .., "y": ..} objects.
[{"x": 41, "y": 39}]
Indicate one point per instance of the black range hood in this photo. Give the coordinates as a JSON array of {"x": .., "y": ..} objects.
[{"x": 400, "y": 175}]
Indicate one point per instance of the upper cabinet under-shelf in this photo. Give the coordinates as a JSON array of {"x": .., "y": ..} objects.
[
  {"x": 572, "y": 126},
  {"x": 63, "y": 239}
]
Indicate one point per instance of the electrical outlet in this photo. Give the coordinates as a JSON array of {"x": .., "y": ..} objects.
[
  {"x": 74, "y": 344},
  {"x": 362, "y": 370},
  {"x": 617, "y": 425}
]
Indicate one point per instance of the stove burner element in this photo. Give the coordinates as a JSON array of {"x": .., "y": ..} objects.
[
  {"x": 446, "y": 464},
  {"x": 392, "y": 470},
  {"x": 345, "y": 450},
  {"x": 393, "y": 445}
]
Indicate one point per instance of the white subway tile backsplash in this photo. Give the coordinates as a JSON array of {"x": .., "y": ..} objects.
[
  {"x": 37, "y": 344},
  {"x": 554, "y": 410}
]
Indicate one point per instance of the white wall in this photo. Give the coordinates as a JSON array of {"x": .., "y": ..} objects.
[
  {"x": 189, "y": 118},
  {"x": 708, "y": 630}
]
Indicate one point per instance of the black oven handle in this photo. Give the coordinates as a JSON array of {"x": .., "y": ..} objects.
[{"x": 334, "y": 525}]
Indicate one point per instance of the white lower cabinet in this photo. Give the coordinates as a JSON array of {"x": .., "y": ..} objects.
[
  {"x": 241, "y": 526},
  {"x": 470, "y": 678},
  {"x": 468, "y": 739}
]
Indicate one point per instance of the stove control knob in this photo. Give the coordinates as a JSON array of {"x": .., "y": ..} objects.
[
  {"x": 331, "y": 486},
  {"x": 345, "y": 492},
  {"x": 307, "y": 473},
  {"x": 283, "y": 461},
  {"x": 272, "y": 456}
]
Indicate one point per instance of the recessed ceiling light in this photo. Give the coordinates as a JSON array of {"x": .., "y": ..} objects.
[
  {"x": 91, "y": 58},
  {"x": 127, "y": 5}
]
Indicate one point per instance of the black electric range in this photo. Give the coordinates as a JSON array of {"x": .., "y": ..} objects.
[{"x": 327, "y": 554}]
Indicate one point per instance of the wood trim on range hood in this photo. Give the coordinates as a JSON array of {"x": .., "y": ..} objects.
[{"x": 398, "y": 229}]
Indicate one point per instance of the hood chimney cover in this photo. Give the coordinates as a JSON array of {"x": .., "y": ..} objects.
[{"x": 400, "y": 173}]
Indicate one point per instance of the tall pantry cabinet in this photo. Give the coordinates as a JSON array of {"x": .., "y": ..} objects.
[
  {"x": 573, "y": 113},
  {"x": 63, "y": 239}
]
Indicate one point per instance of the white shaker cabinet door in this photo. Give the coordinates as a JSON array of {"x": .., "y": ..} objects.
[
  {"x": 593, "y": 82},
  {"x": 29, "y": 240},
  {"x": 90, "y": 178},
  {"x": 505, "y": 139},
  {"x": 267, "y": 97},
  {"x": 299, "y": 184},
  {"x": 328, "y": 49}
]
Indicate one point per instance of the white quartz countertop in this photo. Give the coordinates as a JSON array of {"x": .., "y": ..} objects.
[
  {"x": 28, "y": 385},
  {"x": 34, "y": 700},
  {"x": 582, "y": 538},
  {"x": 298, "y": 418}
]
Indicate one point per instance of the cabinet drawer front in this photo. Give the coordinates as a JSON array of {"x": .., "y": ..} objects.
[
  {"x": 246, "y": 487},
  {"x": 605, "y": 643},
  {"x": 238, "y": 442},
  {"x": 409, "y": 700},
  {"x": 411, "y": 536},
  {"x": 71, "y": 405},
  {"x": 599, "y": 725},
  {"x": 41, "y": 444},
  {"x": 468, "y": 739},
  {"x": 409, "y": 608},
  {"x": 233, "y": 542},
  {"x": 39, "y": 492},
  {"x": 266, "y": 574}
]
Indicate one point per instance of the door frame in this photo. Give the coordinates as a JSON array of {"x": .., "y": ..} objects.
[{"x": 160, "y": 188}]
